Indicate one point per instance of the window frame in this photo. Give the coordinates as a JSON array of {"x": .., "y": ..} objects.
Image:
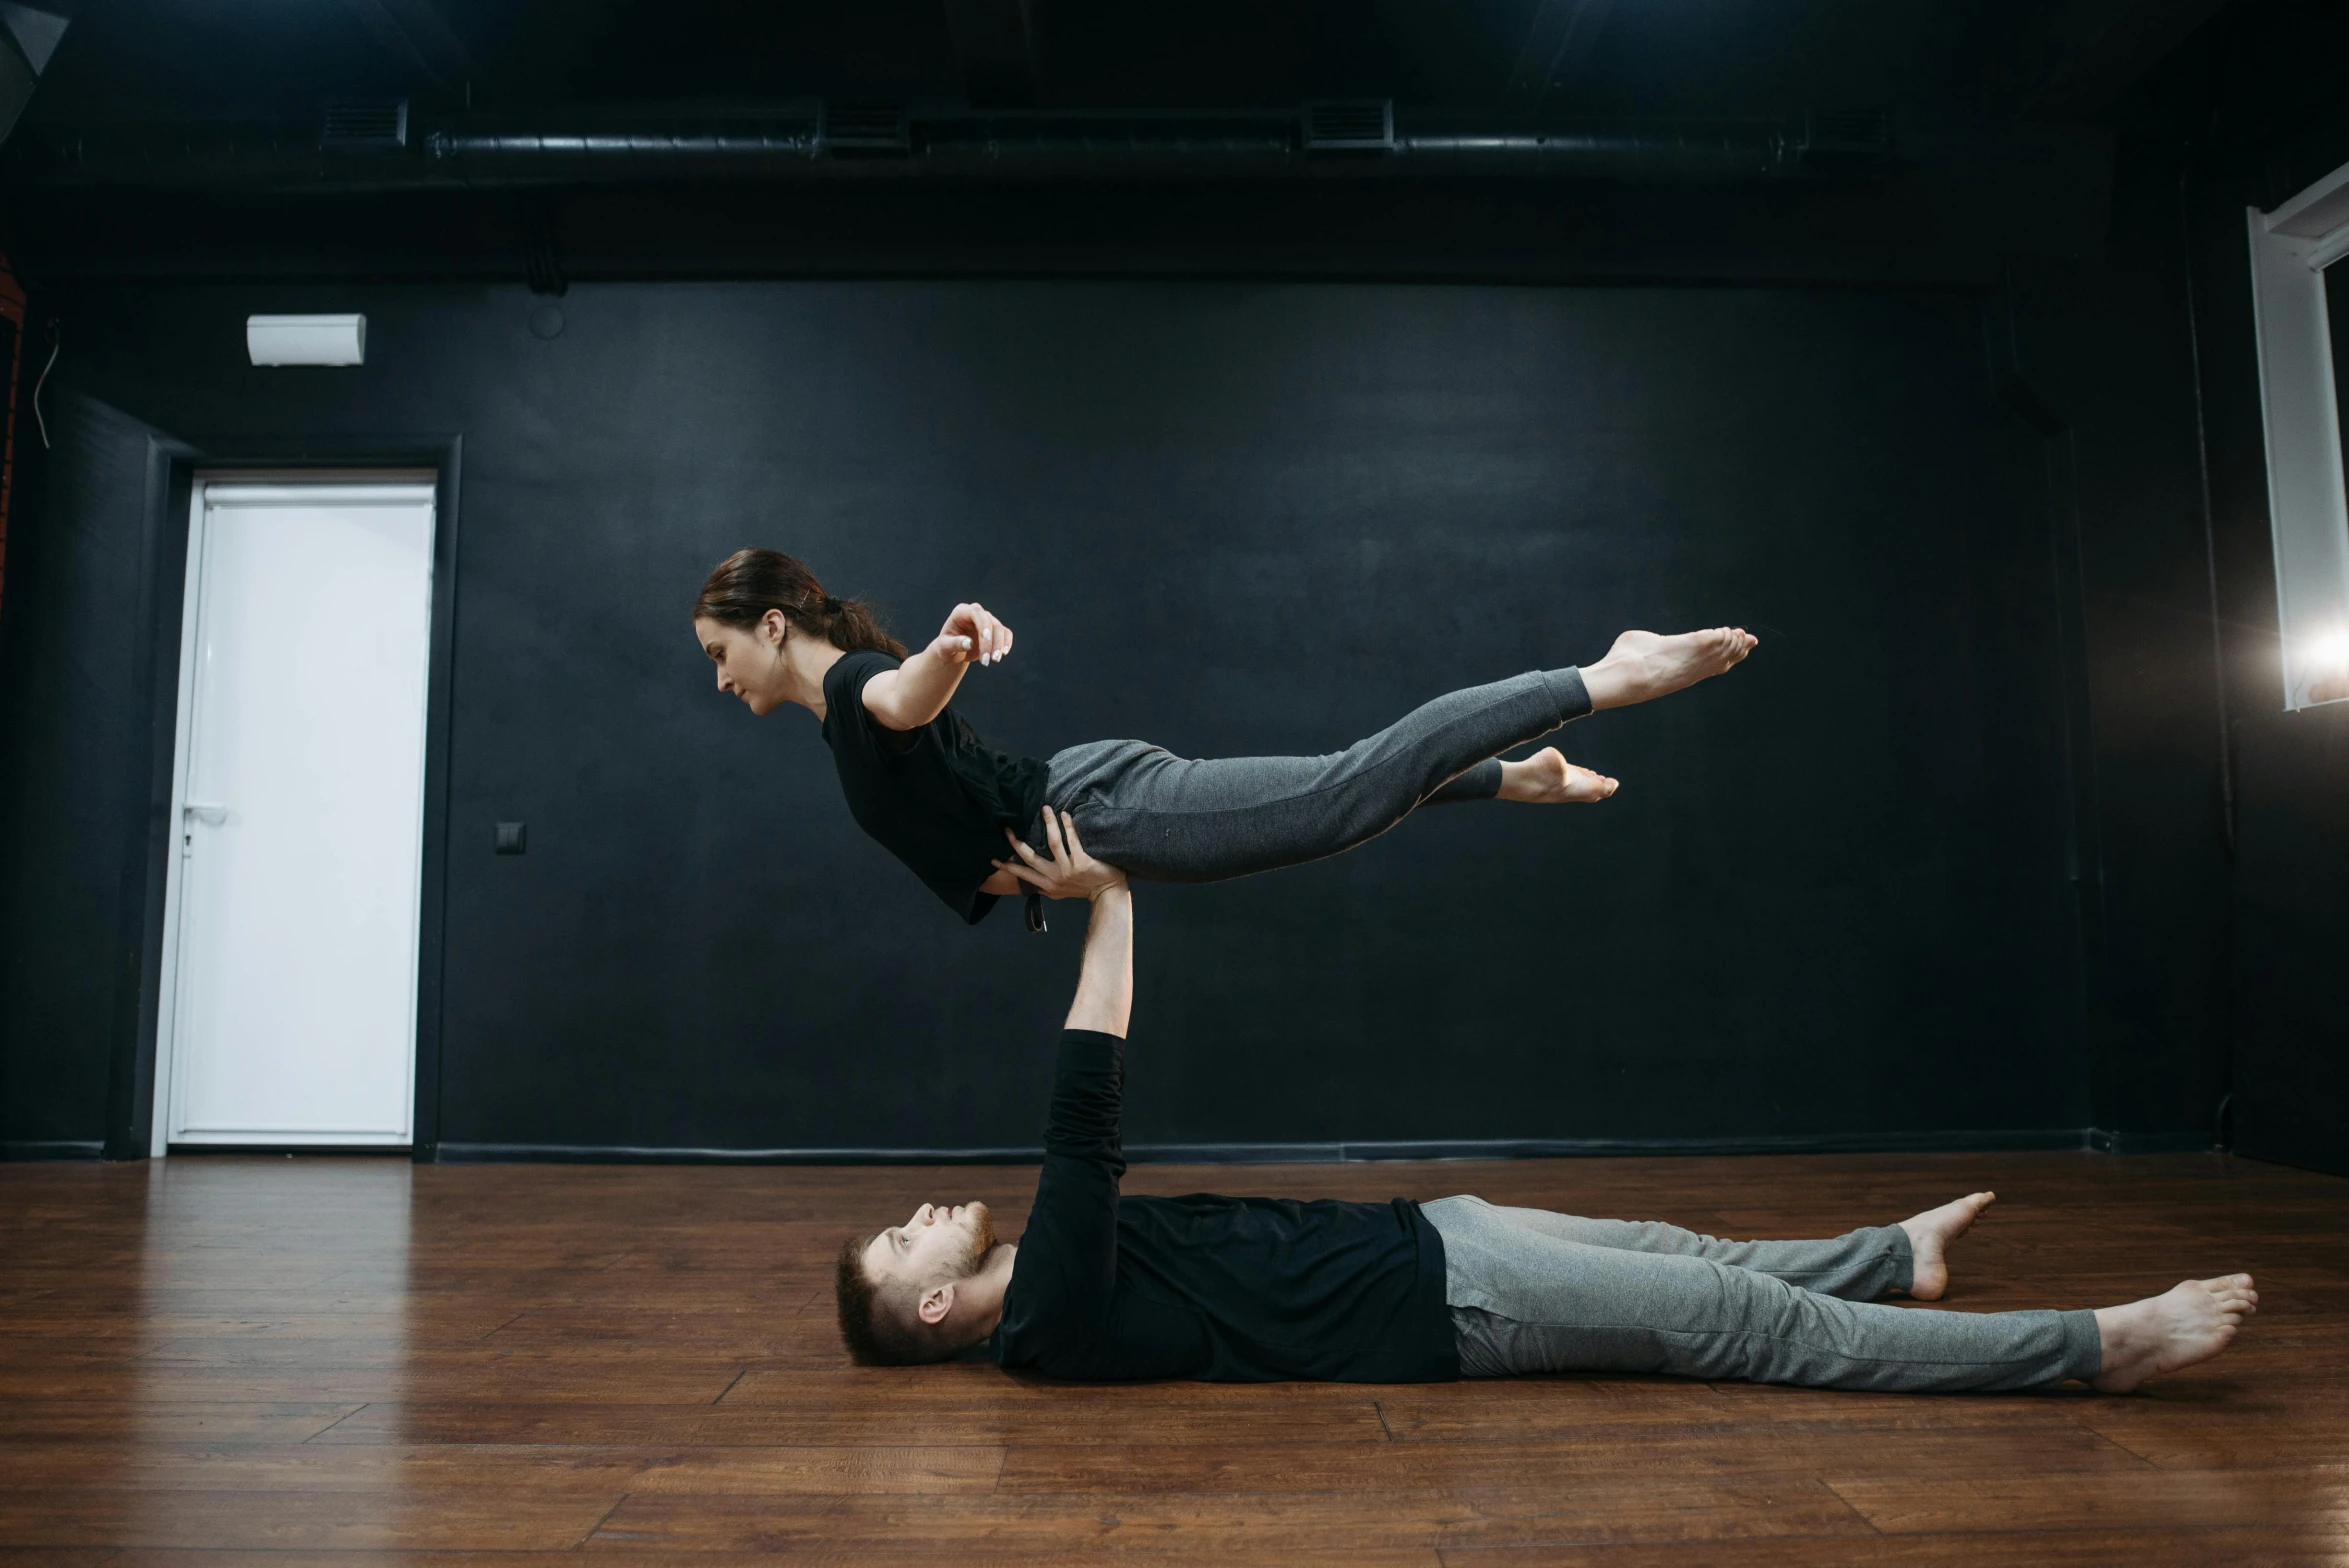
[{"x": 2300, "y": 418}]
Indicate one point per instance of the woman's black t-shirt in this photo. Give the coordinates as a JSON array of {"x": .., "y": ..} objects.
[{"x": 935, "y": 797}]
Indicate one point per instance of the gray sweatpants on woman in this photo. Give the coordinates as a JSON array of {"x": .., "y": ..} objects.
[
  {"x": 1532, "y": 1291},
  {"x": 1164, "y": 818}
]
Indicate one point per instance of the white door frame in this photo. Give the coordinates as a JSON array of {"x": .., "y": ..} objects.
[{"x": 166, "y": 1112}]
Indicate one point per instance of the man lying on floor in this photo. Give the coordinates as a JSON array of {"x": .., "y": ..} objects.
[{"x": 1245, "y": 1289}]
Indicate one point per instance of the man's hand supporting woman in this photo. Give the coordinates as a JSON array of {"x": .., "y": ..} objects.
[{"x": 1105, "y": 990}]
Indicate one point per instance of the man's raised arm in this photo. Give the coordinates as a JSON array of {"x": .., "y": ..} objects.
[
  {"x": 1105, "y": 989},
  {"x": 1067, "y": 1281}
]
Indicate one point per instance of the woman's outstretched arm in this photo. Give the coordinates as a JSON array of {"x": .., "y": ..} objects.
[{"x": 918, "y": 690}]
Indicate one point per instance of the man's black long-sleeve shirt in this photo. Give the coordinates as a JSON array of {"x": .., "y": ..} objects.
[{"x": 1108, "y": 1288}]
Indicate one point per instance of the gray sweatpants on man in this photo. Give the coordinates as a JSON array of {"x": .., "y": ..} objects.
[
  {"x": 1532, "y": 1291},
  {"x": 1164, "y": 818}
]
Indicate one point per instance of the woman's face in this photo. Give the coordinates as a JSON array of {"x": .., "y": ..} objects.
[{"x": 750, "y": 662}]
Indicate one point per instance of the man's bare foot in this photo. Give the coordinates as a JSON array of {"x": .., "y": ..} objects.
[
  {"x": 1547, "y": 779},
  {"x": 1930, "y": 1234},
  {"x": 1643, "y": 666},
  {"x": 2189, "y": 1323}
]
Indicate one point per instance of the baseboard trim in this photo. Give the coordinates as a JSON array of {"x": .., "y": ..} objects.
[
  {"x": 453, "y": 1153},
  {"x": 201, "y": 1150},
  {"x": 52, "y": 1149},
  {"x": 2122, "y": 1142},
  {"x": 1963, "y": 1141}
]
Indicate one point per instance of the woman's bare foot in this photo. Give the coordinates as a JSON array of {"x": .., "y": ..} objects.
[
  {"x": 2189, "y": 1323},
  {"x": 1547, "y": 779},
  {"x": 1930, "y": 1234},
  {"x": 1643, "y": 666}
]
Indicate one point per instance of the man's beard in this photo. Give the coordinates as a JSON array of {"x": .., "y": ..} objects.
[{"x": 982, "y": 1242}]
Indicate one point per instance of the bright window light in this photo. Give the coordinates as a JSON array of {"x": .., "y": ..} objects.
[{"x": 2325, "y": 663}]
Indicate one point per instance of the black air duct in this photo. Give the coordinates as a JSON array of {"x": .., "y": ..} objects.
[
  {"x": 864, "y": 131},
  {"x": 365, "y": 125},
  {"x": 860, "y": 141},
  {"x": 1350, "y": 127}
]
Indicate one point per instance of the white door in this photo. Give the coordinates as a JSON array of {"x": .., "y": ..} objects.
[{"x": 301, "y": 800}]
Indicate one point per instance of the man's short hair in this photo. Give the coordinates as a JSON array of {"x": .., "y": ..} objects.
[{"x": 877, "y": 1332}]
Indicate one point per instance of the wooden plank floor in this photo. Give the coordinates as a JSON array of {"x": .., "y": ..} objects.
[{"x": 343, "y": 1361}]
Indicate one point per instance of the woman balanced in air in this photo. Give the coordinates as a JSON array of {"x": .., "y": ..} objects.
[{"x": 966, "y": 819}]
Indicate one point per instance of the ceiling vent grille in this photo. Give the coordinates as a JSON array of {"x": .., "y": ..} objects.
[
  {"x": 1846, "y": 136},
  {"x": 1359, "y": 126},
  {"x": 365, "y": 125},
  {"x": 865, "y": 131}
]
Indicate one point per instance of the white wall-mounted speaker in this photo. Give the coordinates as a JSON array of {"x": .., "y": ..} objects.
[{"x": 307, "y": 340}]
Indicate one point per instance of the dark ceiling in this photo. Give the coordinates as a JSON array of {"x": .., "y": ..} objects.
[
  {"x": 1947, "y": 62},
  {"x": 1847, "y": 140}
]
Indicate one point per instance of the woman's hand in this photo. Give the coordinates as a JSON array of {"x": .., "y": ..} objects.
[
  {"x": 972, "y": 635},
  {"x": 918, "y": 690},
  {"x": 1070, "y": 873}
]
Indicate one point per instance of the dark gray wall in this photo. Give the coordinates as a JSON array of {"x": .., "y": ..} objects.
[
  {"x": 2292, "y": 1011},
  {"x": 1835, "y": 897},
  {"x": 79, "y": 879},
  {"x": 2255, "y": 115},
  {"x": 2107, "y": 349},
  {"x": 2002, "y": 834}
]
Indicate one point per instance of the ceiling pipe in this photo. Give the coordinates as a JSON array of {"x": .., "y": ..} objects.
[{"x": 845, "y": 144}]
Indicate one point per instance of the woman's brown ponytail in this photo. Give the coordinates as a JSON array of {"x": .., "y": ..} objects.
[{"x": 749, "y": 583}]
